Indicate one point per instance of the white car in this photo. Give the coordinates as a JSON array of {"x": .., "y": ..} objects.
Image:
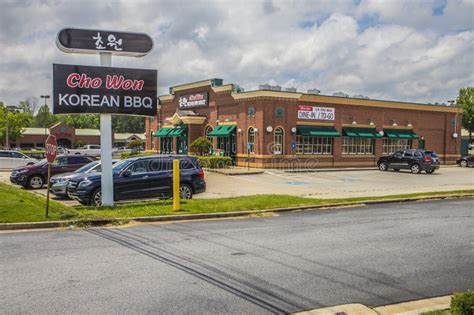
[{"x": 11, "y": 159}]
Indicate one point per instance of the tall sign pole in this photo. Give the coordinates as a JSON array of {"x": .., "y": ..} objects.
[{"x": 107, "y": 183}]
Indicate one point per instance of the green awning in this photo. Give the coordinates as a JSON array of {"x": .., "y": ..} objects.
[
  {"x": 400, "y": 134},
  {"x": 361, "y": 132},
  {"x": 222, "y": 131},
  {"x": 318, "y": 131},
  {"x": 163, "y": 132},
  {"x": 177, "y": 131}
]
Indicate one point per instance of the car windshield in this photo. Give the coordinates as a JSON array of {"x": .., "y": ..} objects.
[
  {"x": 86, "y": 168},
  {"x": 120, "y": 166}
]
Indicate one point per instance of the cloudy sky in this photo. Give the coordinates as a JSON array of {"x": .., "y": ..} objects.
[{"x": 408, "y": 50}]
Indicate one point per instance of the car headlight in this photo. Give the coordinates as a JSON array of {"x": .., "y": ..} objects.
[
  {"x": 21, "y": 171},
  {"x": 86, "y": 182}
]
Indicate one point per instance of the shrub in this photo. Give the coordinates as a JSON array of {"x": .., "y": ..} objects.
[
  {"x": 201, "y": 146},
  {"x": 215, "y": 161},
  {"x": 463, "y": 303},
  {"x": 78, "y": 143},
  {"x": 135, "y": 145}
]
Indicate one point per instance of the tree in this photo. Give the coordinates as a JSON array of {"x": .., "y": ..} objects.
[
  {"x": 201, "y": 146},
  {"x": 17, "y": 121},
  {"x": 82, "y": 121},
  {"x": 128, "y": 124},
  {"x": 465, "y": 101},
  {"x": 45, "y": 118},
  {"x": 29, "y": 105}
]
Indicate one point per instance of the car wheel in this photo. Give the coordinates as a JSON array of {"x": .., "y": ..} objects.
[
  {"x": 35, "y": 182},
  {"x": 383, "y": 166},
  {"x": 463, "y": 163},
  {"x": 96, "y": 198},
  {"x": 415, "y": 169},
  {"x": 185, "y": 191},
  {"x": 429, "y": 171}
]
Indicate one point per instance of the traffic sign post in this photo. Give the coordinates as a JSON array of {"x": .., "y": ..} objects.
[
  {"x": 51, "y": 147},
  {"x": 176, "y": 194}
]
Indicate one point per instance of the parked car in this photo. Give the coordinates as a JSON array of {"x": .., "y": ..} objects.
[
  {"x": 413, "y": 160},
  {"x": 466, "y": 161},
  {"x": 141, "y": 177},
  {"x": 34, "y": 176},
  {"x": 58, "y": 183},
  {"x": 88, "y": 149},
  {"x": 11, "y": 159}
]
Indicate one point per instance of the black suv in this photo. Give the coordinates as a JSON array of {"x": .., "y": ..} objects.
[
  {"x": 413, "y": 160},
  {"x": 141, "y": 177}
]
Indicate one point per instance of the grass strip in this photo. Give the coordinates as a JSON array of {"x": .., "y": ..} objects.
[{"x": 18, "y": 205}]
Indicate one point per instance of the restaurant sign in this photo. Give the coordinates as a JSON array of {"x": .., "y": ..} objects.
[
  {"x": 73, "y": 40},
  {"x": 89, "y": 89},
  {"x": 193, "y": 100},
  {"x": 314, "y": 112}
]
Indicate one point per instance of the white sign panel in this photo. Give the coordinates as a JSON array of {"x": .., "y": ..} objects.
[{"x": 314, "y": 112}]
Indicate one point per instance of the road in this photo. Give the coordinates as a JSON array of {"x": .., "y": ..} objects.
[{"x": 300, "y": 260}]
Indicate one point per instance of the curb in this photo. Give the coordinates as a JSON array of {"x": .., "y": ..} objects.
[
  {"x": 253, "y": 172},
  {"x": 217, "y": 215}
]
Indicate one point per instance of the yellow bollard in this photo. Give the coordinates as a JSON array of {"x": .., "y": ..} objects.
[{"x": 176, "y": 195}]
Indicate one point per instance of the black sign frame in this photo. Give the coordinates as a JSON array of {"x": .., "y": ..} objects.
[
  {"x": 93, "y": 89},
  {"x": 92, "y": 41}
]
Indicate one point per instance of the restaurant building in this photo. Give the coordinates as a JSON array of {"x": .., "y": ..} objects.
[
  {"x": 69, "y": 137},
  {"x": 280, "y": 129}
]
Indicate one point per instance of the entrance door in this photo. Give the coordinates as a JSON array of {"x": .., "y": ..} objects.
[
  {"x": 421, "y": 144},
  {"x": 63, "y": 142},
  {"x": 227, "y": 145},
  {"x": 182, "y": 144}
]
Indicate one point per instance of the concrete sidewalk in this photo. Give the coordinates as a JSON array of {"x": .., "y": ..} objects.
[{"x": 405, "y": 308}]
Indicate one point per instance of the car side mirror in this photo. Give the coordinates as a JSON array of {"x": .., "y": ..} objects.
[{"x": 127, "y": 173}]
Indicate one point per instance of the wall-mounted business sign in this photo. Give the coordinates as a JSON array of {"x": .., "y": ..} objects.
[
  {"x": 193, "y": 100},
  {"x": 72, "y": 40},
  {"x": 87, "y": 89},
  {"x": 314, "y": 112}
]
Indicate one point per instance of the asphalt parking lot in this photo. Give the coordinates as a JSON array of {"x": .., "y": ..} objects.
[{"x": 340, "y": 184}]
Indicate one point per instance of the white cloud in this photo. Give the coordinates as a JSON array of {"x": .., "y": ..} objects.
[{"x": 384, "y": 49}]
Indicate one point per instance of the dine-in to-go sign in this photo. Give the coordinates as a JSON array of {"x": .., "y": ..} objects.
[
  {"x": 51, "y": 147},
  {"x": 315, "y": 112},
  {"x": 88, "y": 89}
]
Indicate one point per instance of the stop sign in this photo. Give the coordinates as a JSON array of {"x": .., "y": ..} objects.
[{"x": 51, "y": 148}]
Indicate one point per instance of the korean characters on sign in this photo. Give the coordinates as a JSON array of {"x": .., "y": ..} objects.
[
  {"x": 317, "y": 113},
  {"x": 112, "y": 41}
]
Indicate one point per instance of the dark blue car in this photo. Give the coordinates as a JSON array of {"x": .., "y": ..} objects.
[{"x": 141, "y": 177}]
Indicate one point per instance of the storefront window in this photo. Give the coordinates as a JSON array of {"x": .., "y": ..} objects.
[
  {"x": 390, "y": 146},
  {"x": 251, "y": 140},
  {"x": 278, "y": 145},
  {"x": 166, "y": 145},
  {"x": 358, "y": 146},
  {"x": 279, "y": 112},
  {"x": 314, "y": 145}
]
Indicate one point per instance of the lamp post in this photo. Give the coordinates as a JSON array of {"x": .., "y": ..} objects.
[{"x": 45, "y": 98}]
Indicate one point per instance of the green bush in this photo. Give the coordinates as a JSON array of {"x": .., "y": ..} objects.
[
  {"x": 463, "y": 303},
  {"x": 78, "y": 143},
  {"x": 135, "y": 145},
  {"x": 201, "y": 146},
  {"x": 126, "y": 155},
  {"x": 215, "y": 161},
  {"x": 36, "y": 154}
]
